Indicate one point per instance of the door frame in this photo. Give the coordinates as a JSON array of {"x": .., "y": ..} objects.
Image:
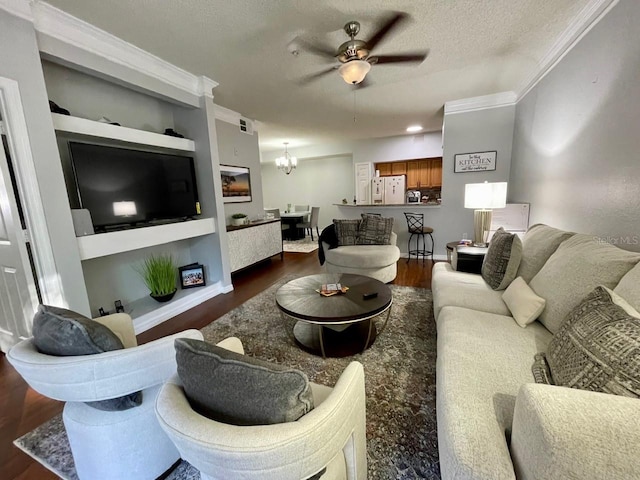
[{"x": 15, "y": 127}]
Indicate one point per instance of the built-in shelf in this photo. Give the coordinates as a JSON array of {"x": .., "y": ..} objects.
[
  {"x": 103, "y": 244},
  {"x": 91, "y": 128},
  {"x": 147, "y": 312}
]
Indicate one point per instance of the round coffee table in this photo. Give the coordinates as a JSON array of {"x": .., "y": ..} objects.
[{"x": 339, "y": 325}]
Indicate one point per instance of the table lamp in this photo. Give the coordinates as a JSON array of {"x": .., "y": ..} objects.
[{"x": 483, "y": 197}]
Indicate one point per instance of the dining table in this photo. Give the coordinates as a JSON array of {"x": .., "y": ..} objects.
[{"x": 292, "y": 219}]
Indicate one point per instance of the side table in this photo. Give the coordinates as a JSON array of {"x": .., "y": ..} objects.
[{"x": 465, "y": 258}]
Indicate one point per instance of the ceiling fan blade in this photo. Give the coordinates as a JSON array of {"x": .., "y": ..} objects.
[
  {"x": 406, "y": 58},
  {"x": 384, "y": 30},
  {"x": 315, "y": 48},
  {"x": 315, "y": 76}
]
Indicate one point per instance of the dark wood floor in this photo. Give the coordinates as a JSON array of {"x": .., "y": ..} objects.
[{"x": 22, "y": 409}]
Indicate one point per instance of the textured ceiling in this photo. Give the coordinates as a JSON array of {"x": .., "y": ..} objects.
[{"x": 476, "y": 47}]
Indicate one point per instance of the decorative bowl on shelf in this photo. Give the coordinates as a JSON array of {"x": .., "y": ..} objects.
[{"x": 163, "y": 298}]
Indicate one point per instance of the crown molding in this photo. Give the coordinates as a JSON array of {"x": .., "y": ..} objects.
[
  {"x": 502, "y": 99},
  {"x": 19, "y": 8},
  {"x": 225, "y": 114},
  {"x": 586, "y": 19},
  {"x": 59, "y": 25}
]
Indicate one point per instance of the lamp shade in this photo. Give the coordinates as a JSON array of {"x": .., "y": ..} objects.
[
  {"x": 485, "y": 195},
  {"x": 354, "y": 71}
]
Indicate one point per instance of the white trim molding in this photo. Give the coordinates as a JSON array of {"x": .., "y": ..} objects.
[
  {"x": 19, "y": 8},
  {"x": 20, "y": 149},
  {"x": 586, "y": 19},
  {"x": 53, "y": 23},
  {"x": 484, "y": 102}
]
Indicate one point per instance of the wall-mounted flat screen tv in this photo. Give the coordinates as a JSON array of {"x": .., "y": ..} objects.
[{"x": 120, "y": 186}]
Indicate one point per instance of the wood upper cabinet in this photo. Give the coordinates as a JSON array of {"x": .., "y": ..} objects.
[
  {"x": 435, "y": 169},
  {"x": 398, "y": 168},
  {"x": 384, "y": 169},
  {"x": 420, "y": 173}
]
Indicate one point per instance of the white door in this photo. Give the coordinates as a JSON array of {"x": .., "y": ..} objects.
[
  {"x": 363, "y": 183},
  {"x": 18, "y": 294}
]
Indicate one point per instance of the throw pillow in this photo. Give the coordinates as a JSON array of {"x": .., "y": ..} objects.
[
  {"x": 240, "y": 390},
  {"x": 502, "y": 259},
  {"x": 347, "y": 231},
  {"x": 596, "y": 347},
  {"x": 579, "y": 265},
  {"x": 539, "y": 243},
  {"x": 540, "y": 369},
  {"x": 61, "y": 332},
  {"x": 374, "y": 230},
  {"x": 522, "y": 302}
]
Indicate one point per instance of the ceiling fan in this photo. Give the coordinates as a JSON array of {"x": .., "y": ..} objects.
[{"x": 354, "y": 55}]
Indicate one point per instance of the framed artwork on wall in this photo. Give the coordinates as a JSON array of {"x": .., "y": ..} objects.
[
  {"x": 474, "y": 162},
  {"x": 236, "y": 184}
]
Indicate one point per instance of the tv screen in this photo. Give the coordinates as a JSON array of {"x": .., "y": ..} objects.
[{"x": 123, "y": 187}]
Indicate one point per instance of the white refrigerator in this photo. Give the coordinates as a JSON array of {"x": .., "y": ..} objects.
[
  {"x": 394, "y": 190},
  {"x": 377, "y": 190}
]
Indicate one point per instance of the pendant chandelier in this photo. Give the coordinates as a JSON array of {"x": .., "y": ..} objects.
[{"x": 286, "y": 163}]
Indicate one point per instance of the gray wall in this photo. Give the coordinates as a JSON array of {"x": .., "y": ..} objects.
[
  {"x": 20, "y": 61},
  {"x": 577, "y": 135},
  {"x": 241, "y": 150},
  {"x": 318, "y": 182}
]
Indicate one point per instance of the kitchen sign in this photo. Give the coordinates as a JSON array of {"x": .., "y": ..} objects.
[{"x": 474, "y": 162}]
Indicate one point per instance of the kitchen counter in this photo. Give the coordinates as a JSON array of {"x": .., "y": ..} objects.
[{"x": 380, "y": 205}]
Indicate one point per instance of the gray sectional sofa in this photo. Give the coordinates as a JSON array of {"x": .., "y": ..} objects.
[{"x": 494, "y": 421}]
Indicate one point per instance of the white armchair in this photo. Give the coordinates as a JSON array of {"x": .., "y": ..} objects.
[
  {"x": 108, "y": 444},
  {"x": 330, "y": 436}
]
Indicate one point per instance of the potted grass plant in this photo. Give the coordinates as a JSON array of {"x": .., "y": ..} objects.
[
  {"x": 159, "y": 275},
  {"x": 238, "y": 219}
]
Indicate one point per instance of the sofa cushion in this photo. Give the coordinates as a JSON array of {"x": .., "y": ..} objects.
[
  {"x": 468, "y": 290},
  {"x": 240, "y": 390},
  {"x": 374, "y": 230},
  {"x": 523, "y": 303},
  {"x": 61, "y": 332},
  {"x": 628, "y": 289},
  {"x": 482, "y": 360},
  {"x": 502, "y": 259},
  {"x": 538, "y": 245},
  {"x": 597, "y": 347},
  {"x": 347, "y": 231},
  {"x": 579, "y": 265},
  {"x": 363, "y": 256}
]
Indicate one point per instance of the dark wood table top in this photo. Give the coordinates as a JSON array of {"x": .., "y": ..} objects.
[{"x": 299, "y": 298}]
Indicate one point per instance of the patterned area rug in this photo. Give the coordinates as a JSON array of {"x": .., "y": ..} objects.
[
  {"x": 399, "y": 376},
  {"x": 304, "y": 245}
]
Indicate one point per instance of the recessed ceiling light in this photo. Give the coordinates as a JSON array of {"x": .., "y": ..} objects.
[{"x": 414, "y": 128}]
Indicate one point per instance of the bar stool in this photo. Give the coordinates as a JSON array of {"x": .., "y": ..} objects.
[{"x": 415, "y": 224}]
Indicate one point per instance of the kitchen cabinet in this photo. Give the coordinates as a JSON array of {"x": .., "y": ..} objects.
[
  {"x": 384, "y": 169},
  {"x": 423, "y": 173},
  {"x": 398, "y": 168}
]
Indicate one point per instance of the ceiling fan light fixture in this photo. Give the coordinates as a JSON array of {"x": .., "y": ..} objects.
[
  {"x": 414, "y": 128},
  {"x": 354, "y": 71}
]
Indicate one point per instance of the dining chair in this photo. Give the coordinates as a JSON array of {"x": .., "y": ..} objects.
[
  {"x": 312, "y": 223},
  {"x": 276, "y": 214}
]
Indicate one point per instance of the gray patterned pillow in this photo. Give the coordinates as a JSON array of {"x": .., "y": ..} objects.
[
  {"x": 596, "y": 348},
  {"x": 347, "y": 231},
  {"x": 501, "y": 262},
  {"x": 375, "y": 230},
  {"x": 240, "y": 390},
  {"x": 61, "y": 332}
]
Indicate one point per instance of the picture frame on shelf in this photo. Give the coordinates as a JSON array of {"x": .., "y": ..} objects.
[
  {"x": 192, "y": 276},
  {"x": 236, "y": 184},
  {"x": 475, "y": 162}
]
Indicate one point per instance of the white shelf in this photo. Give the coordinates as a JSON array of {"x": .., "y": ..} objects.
[
  {"x": 147, "y": 313},
  {"x": 91, "y": 128},
  {"x": 103, "y": 244}
]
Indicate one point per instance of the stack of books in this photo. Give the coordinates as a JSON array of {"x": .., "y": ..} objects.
[{"x": 329, "y": 289}]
